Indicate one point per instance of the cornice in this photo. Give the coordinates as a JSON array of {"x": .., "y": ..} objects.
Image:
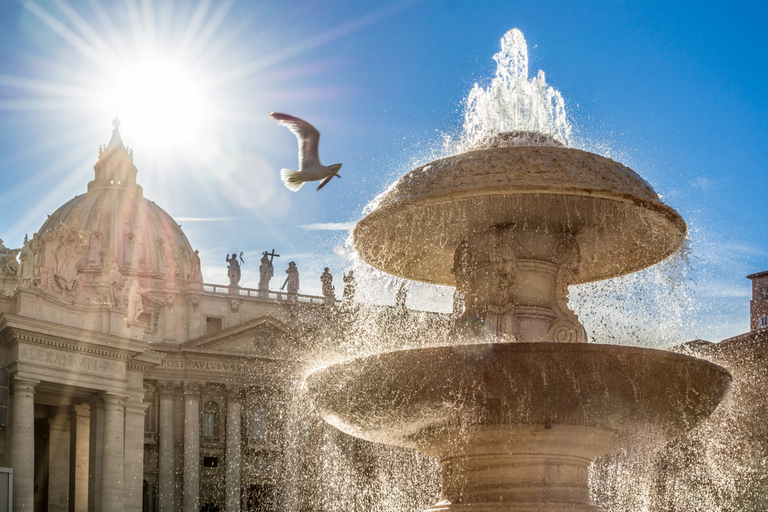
[{"x": 40, "y": 340}]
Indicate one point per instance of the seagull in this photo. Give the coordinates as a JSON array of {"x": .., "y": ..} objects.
[{"x": 310, "y": 168}]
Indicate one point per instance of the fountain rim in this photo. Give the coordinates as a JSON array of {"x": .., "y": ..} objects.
[
  {"x": 542, "y": 346},
  {"x": 669, "y": 213}
]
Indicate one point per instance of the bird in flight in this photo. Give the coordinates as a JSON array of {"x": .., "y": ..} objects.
[{"x": 310, "y": 168}]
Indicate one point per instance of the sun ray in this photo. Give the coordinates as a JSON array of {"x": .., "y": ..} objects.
[
  {"x": 93, "y": 38},
  {"x": 68, "y": 35},
  {"x": 312, "y": 42}
]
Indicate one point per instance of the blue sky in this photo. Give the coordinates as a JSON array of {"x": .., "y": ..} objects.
[{"x": 675, "y": 90}]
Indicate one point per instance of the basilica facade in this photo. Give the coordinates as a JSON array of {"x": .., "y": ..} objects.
[{"x": 134, "y": 385}]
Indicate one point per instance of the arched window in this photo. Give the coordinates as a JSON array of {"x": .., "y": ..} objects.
[
  {"x": 211, "y": 421},
  {"x": 259, "y": 431}
]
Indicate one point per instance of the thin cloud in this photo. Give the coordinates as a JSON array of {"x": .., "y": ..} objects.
[{"x": 329, "y": 226}]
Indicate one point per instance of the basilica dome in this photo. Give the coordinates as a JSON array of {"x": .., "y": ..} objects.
[{"x": 118, "y": 225}]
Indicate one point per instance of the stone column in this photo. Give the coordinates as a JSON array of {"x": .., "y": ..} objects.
[
  {"x": 79, "y": 433},
  {"x": 95, "y": 453},
  {"x": 233, "y": 449},
  {"x": 113, "y": 454},
  {"x": 23, "y": 443},
  {"x": 135, "y": 409},
  {"x": 166, "y": 456},
  {"x": 58, "y": 463},
  {"x": 191, "y": 498}
]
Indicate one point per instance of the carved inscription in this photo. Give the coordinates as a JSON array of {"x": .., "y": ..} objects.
[
  {"x": 71, "y": 361},
  {"x": 192, "y": 364}
]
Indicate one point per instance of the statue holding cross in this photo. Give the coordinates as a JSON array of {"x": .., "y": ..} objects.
[{"x": 266, "y": 270}]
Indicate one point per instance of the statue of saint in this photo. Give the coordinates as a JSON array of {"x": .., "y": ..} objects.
[
  {"x": 329, "y": 292},
  {"x": 349, "y": 286},
  {"x": 135, "y": 301},
  {"x": 26, "y": 271},
  {"x": 233, "y": 270},
  {"x": 116, "y": 287},
  {"x": 292, "y": 281},
  {"x": 266, "y": 271}
]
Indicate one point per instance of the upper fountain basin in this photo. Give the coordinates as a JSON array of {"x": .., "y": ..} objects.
[
  {"x": 409, "y": 397},
  {"x": 619, "y": 222}
]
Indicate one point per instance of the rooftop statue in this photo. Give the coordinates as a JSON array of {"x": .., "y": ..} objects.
[
  {"x": 233, "y": 270},
  {"x": 266, "y": 272},
  {"x": 350, "y": 286},
  {"x": 292, "y": 281},
  {"x": 329, "y": 292}
]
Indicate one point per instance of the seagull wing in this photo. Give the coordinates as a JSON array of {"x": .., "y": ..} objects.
[
  {"x": 307, "y": 134},
  {"x": 325, "y": 182}
]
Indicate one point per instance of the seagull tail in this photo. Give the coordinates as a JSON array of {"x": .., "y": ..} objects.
[{"x": 291, "y": 179}]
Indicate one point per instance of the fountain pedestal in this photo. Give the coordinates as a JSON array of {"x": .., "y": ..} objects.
[{"x": 525, "y": 467}]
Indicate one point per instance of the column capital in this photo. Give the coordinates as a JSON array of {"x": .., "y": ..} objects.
[
  {"x": 20, "y": 384},
  {"x": 59, "y": 422},
  {"x": 111, "y": 400},
  {"x": 136, "y": 406},
  {"x": 234, "y": 392},
  {"x": 80, "y": 410},
  {"x": 167, "y": 389},
  {"x": 192, "y": 389}
]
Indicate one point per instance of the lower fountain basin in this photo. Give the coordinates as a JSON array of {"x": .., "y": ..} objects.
[
  {"x": 515, "y": 426},
  {"x": 402, "y": 398}
]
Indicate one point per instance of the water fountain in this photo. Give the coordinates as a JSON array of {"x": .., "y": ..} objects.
[{"x": 517, "y": 404}]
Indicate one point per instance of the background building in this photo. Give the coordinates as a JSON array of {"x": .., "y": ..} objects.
[{"x": 134, "y": 385}]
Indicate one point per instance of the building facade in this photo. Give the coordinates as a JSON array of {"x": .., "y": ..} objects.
[{"x": 134, "y": 385}]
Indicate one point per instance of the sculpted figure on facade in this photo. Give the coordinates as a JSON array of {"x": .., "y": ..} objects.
[
  {"x": 67, "y": 253},
  {"x": 135, "y": 301},
  {"x": 329, "y": 292},
  {"x": 233, "y": 270},
  {"x": 8, "y": 264},
  {"x": 292, "y": 281},
  {"x": 194, "y": 267},
  {"x": 116, "y": 287},
  {"x": 350, "y": 286},
  {"x": 26, "y": 271}
]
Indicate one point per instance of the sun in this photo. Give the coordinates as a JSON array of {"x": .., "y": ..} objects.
[{"x": 162, "y": 101}]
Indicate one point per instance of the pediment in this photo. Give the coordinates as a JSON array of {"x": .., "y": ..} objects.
[{"x": 263, "y": 337}]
